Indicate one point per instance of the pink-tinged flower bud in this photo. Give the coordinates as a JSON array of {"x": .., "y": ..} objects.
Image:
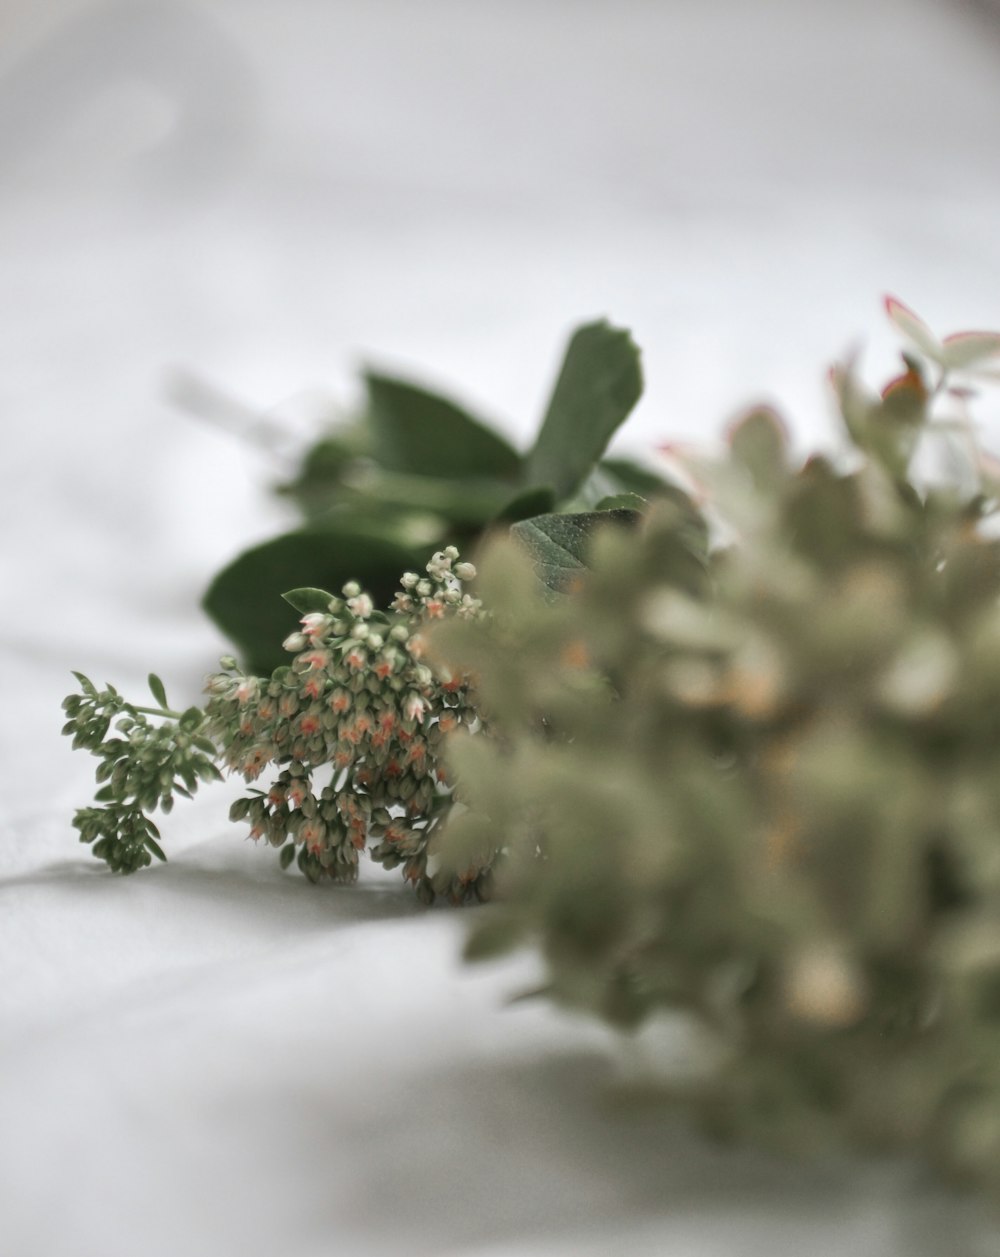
[
  {"x": 435, "y": 608},
  {"x": 355, "y": 659},
  {"x": 295, "y": 642},
  {"x": 219, "y": 684},
  {"x": 247, "y": 690},
  {"x": 312, "y": 834},
  {"x": 361, "y": 606},
  {"x": 315, "y": 624},
  {"x": 297, "y": 792},
  {"x": 313, "y": 687},
  {"x": 314, "y": 659},
  {"x": 414, "y": 707},
  {"x": 465, "y": 571}
]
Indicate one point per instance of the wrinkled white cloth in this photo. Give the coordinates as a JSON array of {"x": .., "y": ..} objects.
[{"x": 213, "y": 1057}]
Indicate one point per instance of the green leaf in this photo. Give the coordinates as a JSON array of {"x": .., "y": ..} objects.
[
  {"x": 966, "y": 349},
  {"x": 759, "y": 443},
  {"x": 633, "y": 477},
  {"x": 559, "y": 544},
  {"x": 307, "y": 599},
  {"x": 914, "y": 329},
  {"x": 537, "y": 501},
  {"x": 599, "y": 383},
  {"x": 86, "y": 684},
  {"x": 622, "y": 502},
  {"x": 287, "y": 855},
  {"x": 156, "y": 849},
  {"x": 423, "y": 433},
  {"x": 157, "y": 690},
  {"x": 473, "y": 500},
  {"x": 245, "y": 599},
  {"x": 191, "y": 719}
]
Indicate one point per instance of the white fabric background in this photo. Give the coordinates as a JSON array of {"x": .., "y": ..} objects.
[{"x": 212, "y": 1057}]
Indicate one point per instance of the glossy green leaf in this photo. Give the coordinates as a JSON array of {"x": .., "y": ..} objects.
[
  {"x": 598, "y": 384},
  {"x": 422, "y": 433}
]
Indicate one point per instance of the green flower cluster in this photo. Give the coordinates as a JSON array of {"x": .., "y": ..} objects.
[
  {"x": 358, "y": 703},
  {"x": 143, "y": 766},
  {"x": 757, "y": 783}
]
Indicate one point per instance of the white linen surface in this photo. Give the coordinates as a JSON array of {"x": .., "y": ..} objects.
[{"x": 213, "y": 1057}]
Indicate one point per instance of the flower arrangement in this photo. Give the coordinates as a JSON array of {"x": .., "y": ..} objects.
[{"x": 726, "y": 749}]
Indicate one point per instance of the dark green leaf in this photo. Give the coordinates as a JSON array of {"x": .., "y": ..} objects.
[
  {"x": 420, "y": 432},
  {"x": 245, "y": 599},
  {"x": 307, "y": 599},
  {"x": 383, "y": 495},
  {"x": 156, "y": 849},
  {"x": 537, "y": 501},
  {"x": 633, "y": 477},
  {"x": 287, "y": 855},
  {"x": 157, "y": 690},
  {"x": 191, "y": 719},
  {"x": 599, "y": 383},
  {"x": 622, "y": 502},
  {"x": 86, "y": 684},
  {"x": 559, "y": 544}
]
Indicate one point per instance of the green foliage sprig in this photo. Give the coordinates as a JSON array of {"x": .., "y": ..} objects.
[{"x": 143, "y": 766}]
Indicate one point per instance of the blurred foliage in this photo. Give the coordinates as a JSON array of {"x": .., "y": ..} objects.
[
  {"x": 724, "y": 747},
  {"x": 415, "y": 471},
  {"x": 748, "y": 770}
]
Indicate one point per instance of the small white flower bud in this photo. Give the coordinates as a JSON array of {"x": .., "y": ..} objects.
[
  {"x": 351, "y": 589},
  {"x": 314, "y": 624},
  {"x": 465, "y": 571},
  {"x": 451, "y": 552},
  {"x": 413, "y": 707},
  {"x": 399, "y": 633},
  {"x": 295, "y": 642},
  {"x": 409, "y": 580},
  {"x": 375, "y": 641},
  {"x": 424, "y": 588},
  {"x": 361, "y": 605}
]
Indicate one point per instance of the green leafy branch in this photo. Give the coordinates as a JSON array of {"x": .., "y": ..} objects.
[
  {"x": 143, "y": 766},
  {"x": 417, "y": 472}
]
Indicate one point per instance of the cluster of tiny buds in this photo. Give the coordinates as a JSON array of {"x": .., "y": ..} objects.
[
  {"x": 358, "y": 697},
  {"x": 441, "y": 589}
]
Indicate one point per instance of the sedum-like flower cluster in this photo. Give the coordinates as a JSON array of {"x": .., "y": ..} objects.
[{"x": 354, "y": 723}]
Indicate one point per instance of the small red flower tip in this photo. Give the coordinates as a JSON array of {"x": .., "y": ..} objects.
[{"x": 909, "y": 381}]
